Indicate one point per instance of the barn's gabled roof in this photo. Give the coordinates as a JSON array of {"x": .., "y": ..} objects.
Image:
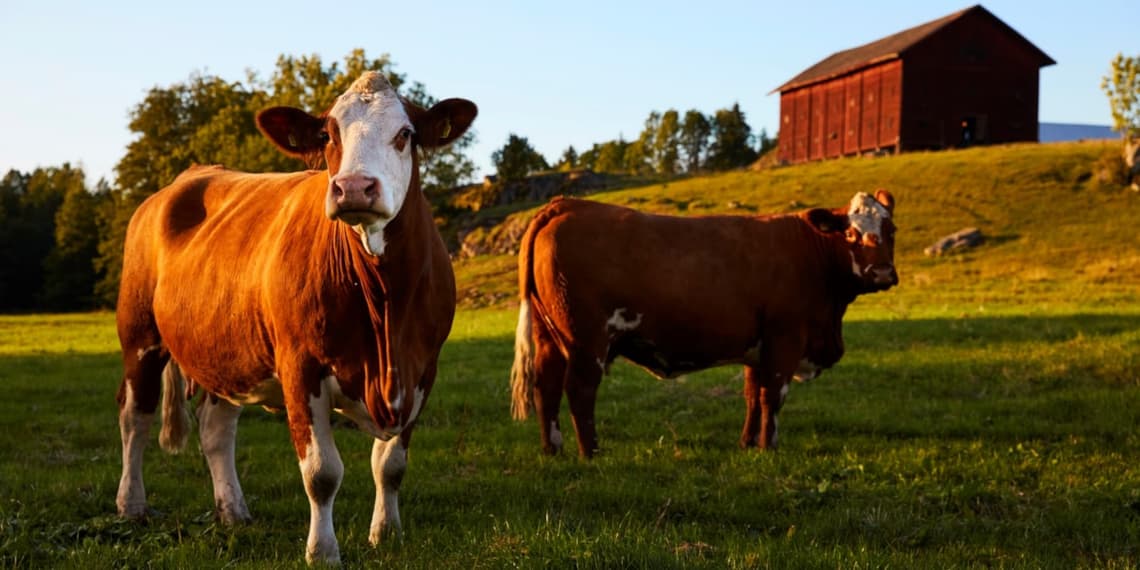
[{"x": 892, "y": 47}]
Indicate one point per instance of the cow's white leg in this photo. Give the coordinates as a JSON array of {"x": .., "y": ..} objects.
[
  {"x": 134, "y": 427},
  {"x": 322, "y": 471},
  {"x": 389, "y": 461},
  {"x": 217, "y": 429}
]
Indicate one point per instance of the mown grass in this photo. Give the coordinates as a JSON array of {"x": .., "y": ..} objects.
[
  {"x": 980, "y": 418},
  {"x": 949, "y": 438}
]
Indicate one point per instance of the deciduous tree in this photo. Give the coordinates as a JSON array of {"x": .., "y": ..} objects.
[
  {"x": 732, "y": 140},
  {"x": 694, "y": 139},
  {"x": 517, "y": 158},
  {"x": 1122, "y": 85}
]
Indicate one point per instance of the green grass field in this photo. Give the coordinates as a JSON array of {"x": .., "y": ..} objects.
[{"x": 985, "y": 415}]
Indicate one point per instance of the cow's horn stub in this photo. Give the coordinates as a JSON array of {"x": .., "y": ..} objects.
[{"x": 371, "y": 82}]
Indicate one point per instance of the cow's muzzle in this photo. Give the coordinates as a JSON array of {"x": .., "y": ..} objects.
[
  {"x": 355, "y": 199},
  {"x": 882, "y": 276}
]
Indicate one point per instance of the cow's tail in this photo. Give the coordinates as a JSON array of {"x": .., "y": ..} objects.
[
  {"x": 175, "y": 416},
  {"x": 522, "y": 372}
]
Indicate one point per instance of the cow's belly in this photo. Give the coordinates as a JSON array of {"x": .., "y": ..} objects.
[{"x": 671, "y": 362}]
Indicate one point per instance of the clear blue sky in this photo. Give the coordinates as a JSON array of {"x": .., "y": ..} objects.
[{"x": 558, "y": 73}]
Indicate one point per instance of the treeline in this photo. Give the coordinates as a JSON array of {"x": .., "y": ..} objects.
[
  {"x": 50, "y": 227},
  {"x": 670, "y": 144},
  {"x": 61, "y": 243}
]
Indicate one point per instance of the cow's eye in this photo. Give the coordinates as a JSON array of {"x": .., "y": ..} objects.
[
  {"x": 405, "y": 133},
  {"x": 323, "y": 137}
]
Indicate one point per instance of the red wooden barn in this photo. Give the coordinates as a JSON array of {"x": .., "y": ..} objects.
[{"x": 967, "y": 78}]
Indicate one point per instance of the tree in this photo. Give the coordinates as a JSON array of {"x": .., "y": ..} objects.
[
  {"x": 666, "y": 143},
  {"x": 694, "y": 139},
  {"x": 732, "y": 140},
  {"x": 517, "y": 159},
  {"x": 611, "y": 156},
  {"x": 766, "y": 143},
  {"x": 569, "y": 160},
  {"x": 27, "y": 232},
  {"x": 69, "y": 269},
  {"x": 1122, "y": 85}
]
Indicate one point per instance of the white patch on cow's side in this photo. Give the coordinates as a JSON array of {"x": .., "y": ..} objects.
[
  {"x": 144, "y": 351},
  {"x": 807, "y": 370},
  {"x": 370, "y": 116},
  {"x": 322, "y": 472},
  {"x": 134, "y": 426},
  {"x": 618, "y": 322},
  {"x": 602, "y": 364},
  {"x": 389, "y": 461},
  {"x": 867, "y": 214},
  {"x": 783, "y": 394},
  {"x": 555, "y": 435},
  {"x": 217, "y": 432}
]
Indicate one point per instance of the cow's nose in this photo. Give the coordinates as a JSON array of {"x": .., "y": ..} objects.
[
  {"x": 355, "y": 190},
  {"x": 884, "y": 275}
]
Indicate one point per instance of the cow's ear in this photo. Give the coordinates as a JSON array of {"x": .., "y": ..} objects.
[
  {"x": 827, "y": 221},
  {"x": 886, "y": 199},
  {"x": 443, "y": 123},
  {"x": 295, "y": 132}
]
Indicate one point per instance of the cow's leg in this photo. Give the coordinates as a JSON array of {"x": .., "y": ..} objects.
[
  {"x": 764, "y": 396},
  {"x": 765, "y": 388},
  {"x": 217, "y": 429},
  {"x": 583, "y": 375},
  {"x": 321, "y": 467},
  {"x": 550, "y": 373},
  {"x": 143, "y": 361},
  {"x": 389, "y": 462}
]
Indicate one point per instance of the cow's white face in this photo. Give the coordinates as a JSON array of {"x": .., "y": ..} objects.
[
  {"x": 368, "y": 139},
  {"x": 870, "y": 234},
  {"x": 369, "y": 153}
]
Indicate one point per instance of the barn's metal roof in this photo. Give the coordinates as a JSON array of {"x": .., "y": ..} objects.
[{"x": 891, "y": 47}]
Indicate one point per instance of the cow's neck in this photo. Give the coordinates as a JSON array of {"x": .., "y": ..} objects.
[
  {"x": 387, "y": 284},
  {"x": 835, "y": 258}
]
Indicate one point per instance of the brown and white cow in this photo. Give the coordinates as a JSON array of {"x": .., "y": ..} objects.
[
  {"x": 676, "y": 295},
  {"x": 309, "y": 292}
]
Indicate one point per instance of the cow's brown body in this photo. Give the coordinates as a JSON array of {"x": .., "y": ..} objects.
[
  {"x": 310, "y": 292},
  {"x": 676, "y": 295},
  {"x": 240, "y": 278}
]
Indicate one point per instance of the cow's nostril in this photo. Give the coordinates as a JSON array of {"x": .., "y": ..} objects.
[{"x": 372, "y": 189}]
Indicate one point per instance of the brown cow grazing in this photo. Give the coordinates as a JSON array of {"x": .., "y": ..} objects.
[
  {"x": 677, "y": 295},
  {"x": 309, "y": 292}
]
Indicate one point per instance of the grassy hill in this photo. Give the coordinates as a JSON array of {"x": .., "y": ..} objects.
[{"x": 1054, "y": 232}]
